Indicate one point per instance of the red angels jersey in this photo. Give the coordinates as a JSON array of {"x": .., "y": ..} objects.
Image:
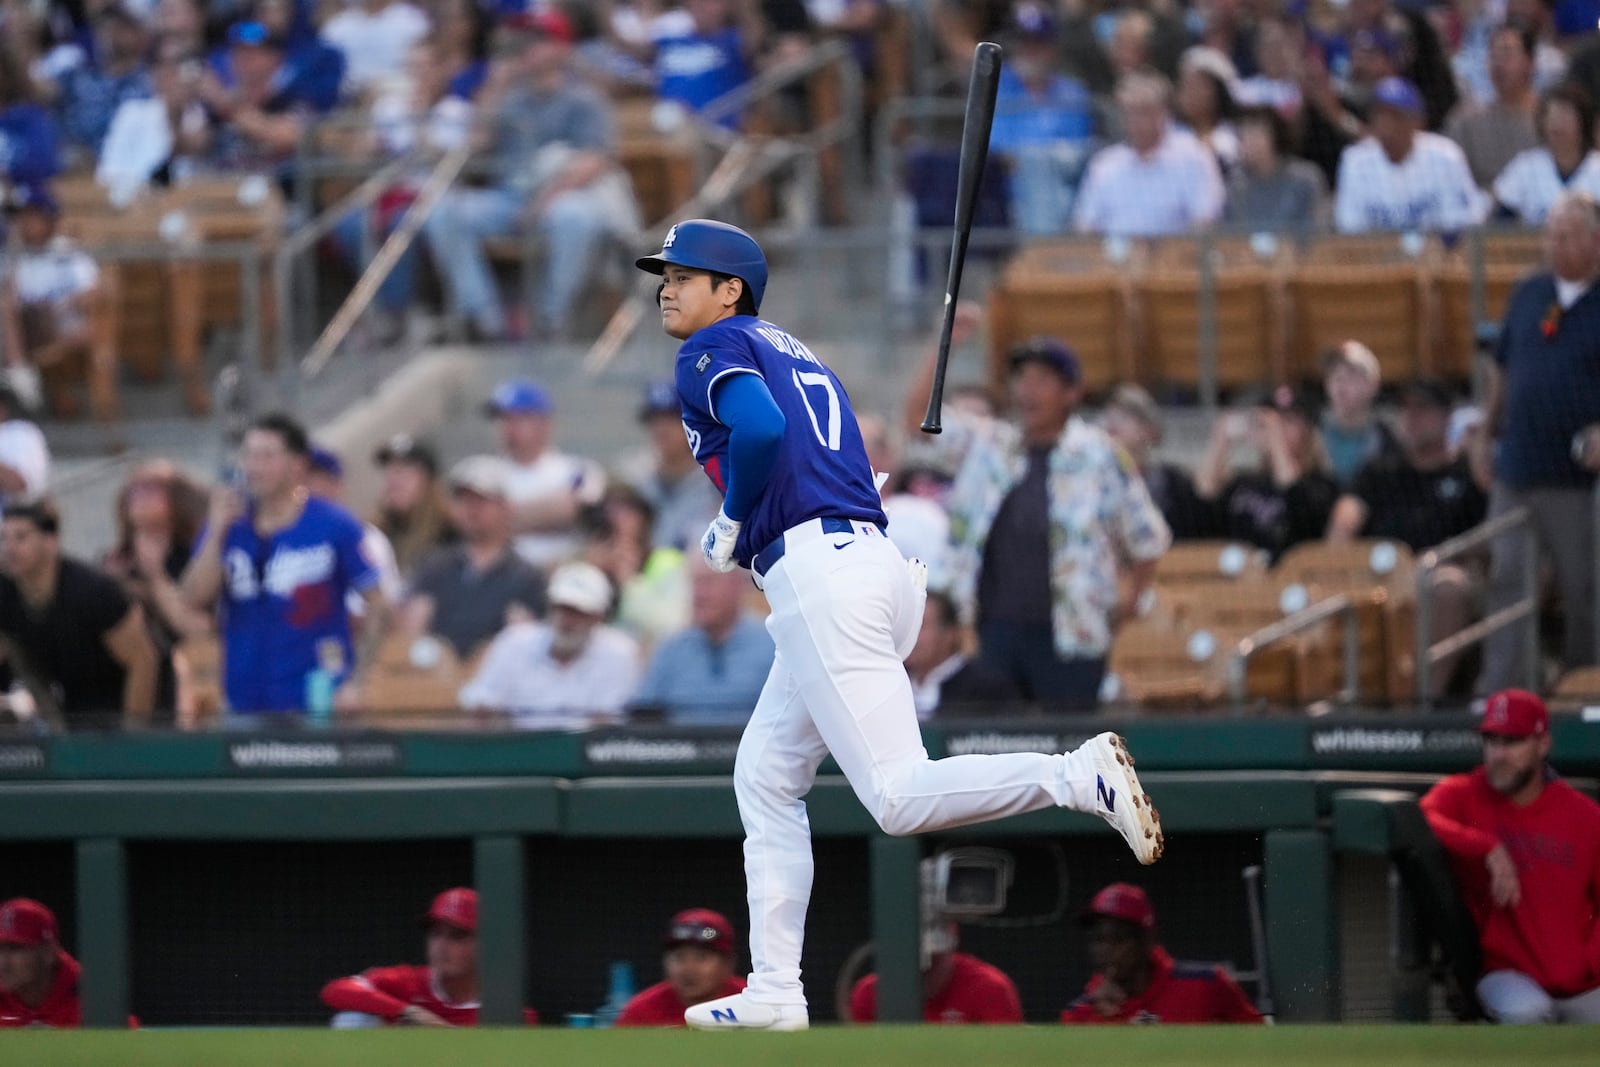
[
  {"x": 660, "y": 1005},
  {"x": 60, "y": 1008},
  {"x": 1177, "y": 993},
  {"x": 387, "y": 992},
  {"x": 977, "y": 992}
]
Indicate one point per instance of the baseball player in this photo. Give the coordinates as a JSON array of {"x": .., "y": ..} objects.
[
  {"x": 38, "y": 979},
  {"x": 699, "y": 966},
  {"x": 773, "y": 428},
  {"x": 444, "y": 992}
]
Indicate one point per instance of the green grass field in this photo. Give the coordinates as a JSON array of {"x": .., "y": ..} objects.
[{"x": 887, "y": 1046}]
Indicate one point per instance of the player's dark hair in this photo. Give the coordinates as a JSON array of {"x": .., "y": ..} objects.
[
  {"x": 41, "y": 513},
  {"x": 747, "y": 302},
  {"x": 1282, "y": 138},
  {"x": 1575, "y": 98},
  {"x": 288, "y": 430}
]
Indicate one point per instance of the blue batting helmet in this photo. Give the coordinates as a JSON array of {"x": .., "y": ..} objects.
[{"x": 715, "y": 246}]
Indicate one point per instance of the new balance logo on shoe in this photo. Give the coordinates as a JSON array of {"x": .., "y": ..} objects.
[
  {"x": 1108, "y": 797},
  {"x": 722, "y": 1015}
]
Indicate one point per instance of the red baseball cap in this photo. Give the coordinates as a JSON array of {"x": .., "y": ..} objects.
[
  {"x": 1515, "y": 713},
  {"x": 1119, "y": 900},
  {"x": 456, "y": 907},
  {"x": 701, "y": 926},
  {"x": 546, "y": 23},
  {"x": 26, "y": 922}
]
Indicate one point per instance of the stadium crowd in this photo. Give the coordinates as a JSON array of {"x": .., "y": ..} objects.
[{"x": 555, "y": 587}]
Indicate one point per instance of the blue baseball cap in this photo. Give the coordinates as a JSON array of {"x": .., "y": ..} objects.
[
  {"x": 519, "y": 396},
  {"x": 1053, "y": 354},
  {"x": 325, "y": 461},
  {"x": 1398, "y": 94},
  {"x": 34, "y": 196},
  {"x": 1033, "y": 21},
  {"x": 660, "y": 398},
  {"x": 252, "y": 35}
]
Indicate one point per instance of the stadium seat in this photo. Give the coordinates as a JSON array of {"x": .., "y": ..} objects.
[
  {"x": 1381, "y": 577},
  {"x": 660, "y": 165},
  {"x": 1248, "y": 322},
  {"x": 1156, "y": 663},
  {"x": 1187, "y": 562},
  {"x": 1074, "y": 291},
  {"x": 1375, "y": 289},
  {"x": 1576, "y": 689},
  {"x": 1287, "y": 672},
  {"x": 197, "y": 662},
  {"x": 412, "y": 677}
]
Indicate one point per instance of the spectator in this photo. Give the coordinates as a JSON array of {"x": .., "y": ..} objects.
[
  {"x": 945, "y": 678},
  {"x": 159, "y": 512},
  {"x": 1351, "y": 430},
  {"x": 411, "y": 509},
  {"x": 181, "y": 23},
  {"x": 712, "y": 57},
  {"x": 1043, "y": 124},
  {"x": 652, "y": 584},
  {"x": 1542, "y": 423},
  {"x": 666, "y": 473},
  {"x": 282, "y": 563},
  {"x": 376, "y": 36},
  {"x": 1493, "y": 131},
  {"x": 313, "y": 70},
  {"x": 24, "y": 455},
  {"x": 1043, "y": 515},
  {"x": 38, "y": 979},
  {"x": 468, "y": 592},
  {"x": 1421, "y": 495},
  {"x": 698, "y": 963},
  {"x": 162, "y": 138},
  {"x": 1403, "y": 177},
  {"x": 259, "y": 112},
  {"x": 1132, "y": 419},
  {"x": 91, "y": 92},
  {"x": 1525, "y": 846},
  {"x": 1474, "y": 58},
  {"x": 421, "y": 113},
  {"x": 548, "y": 489},
  {"x": 461, "y": 33},
  {"x": 78, "y": 642},
  {"x": 30, "y": 141},
  {"x": 50, "y": 294},
  {"x": 570, "y": 673},
  {"x": 1137, "y": 981},
  {"x": 1415, "y": 50},
  {"x": 1204, "y": 102},
  {"x": 325, "y": 480},
  {"x": 553, "y": 143},
  {"x": 711, "y": 673},
  {"x": 442, "y": 992},
  {"x": 1159, "y": 182},
  {"x": 1287, "y": 498},
  {"x": 1270, "y": 189},
  {"x": 1564, "y": 160},
  {"x": 956, "y": 988},
  {"x": 1279, "y": 58}
]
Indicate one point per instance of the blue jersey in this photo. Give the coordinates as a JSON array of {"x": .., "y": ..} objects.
[
  {"x": 283, "y": 600},
  {"x": 822, "y": 469}
]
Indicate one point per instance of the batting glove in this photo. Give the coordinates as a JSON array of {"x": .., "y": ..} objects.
[{"x": 717, "y": 544}]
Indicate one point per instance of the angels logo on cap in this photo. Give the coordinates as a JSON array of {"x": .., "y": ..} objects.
[{"x": 1514, "y": 713}]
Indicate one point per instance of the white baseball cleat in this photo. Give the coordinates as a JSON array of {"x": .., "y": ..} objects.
[
  {"x": 1121, "y": 801},
  {"x": 738, "y": 1012}
]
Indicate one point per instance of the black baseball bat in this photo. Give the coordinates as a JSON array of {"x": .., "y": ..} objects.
[{"x": 974, "y": 153}]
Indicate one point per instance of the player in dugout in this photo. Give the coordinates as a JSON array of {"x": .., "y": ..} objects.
[
  {"x": 1137, "y": 981},
  {"x": 1525, "y": 847},
  {"x": 38, "y": 979},
  {"x": 443, "y": 992},
  {"x": 698, "y": 962}
]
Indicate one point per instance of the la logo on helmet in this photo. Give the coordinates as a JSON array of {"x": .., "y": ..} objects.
[{"x": 672, "y": 235}]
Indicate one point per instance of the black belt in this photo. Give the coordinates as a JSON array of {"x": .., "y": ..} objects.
[{"x": 763, "y": 561}]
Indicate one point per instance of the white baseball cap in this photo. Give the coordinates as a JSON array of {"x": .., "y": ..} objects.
[
  {"x": 484, "y": 475},
  {"x": 581, "y": 587}
]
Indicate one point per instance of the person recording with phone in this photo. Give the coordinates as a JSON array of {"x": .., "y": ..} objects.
[{"x": 158, "y": 139}]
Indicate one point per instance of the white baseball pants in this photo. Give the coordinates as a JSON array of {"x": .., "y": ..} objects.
[{"x": 845, "y": 612}]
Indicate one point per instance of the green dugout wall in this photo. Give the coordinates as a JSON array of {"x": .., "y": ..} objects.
[{"x": 221, "y": 879}]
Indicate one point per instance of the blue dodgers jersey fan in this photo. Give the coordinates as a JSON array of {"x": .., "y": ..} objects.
[{"x": 822, "y": 468}]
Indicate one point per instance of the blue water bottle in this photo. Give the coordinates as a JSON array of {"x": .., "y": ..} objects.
[
  {"x": 322, "y": 681},
  {"x": 621, "y": 992}
]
